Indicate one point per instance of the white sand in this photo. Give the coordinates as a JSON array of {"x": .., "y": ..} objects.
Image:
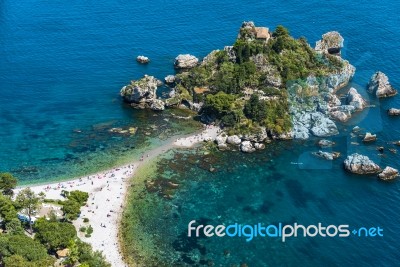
[
  {"x": 210, "y": 133},
  {"x": 107, "y": 192}
]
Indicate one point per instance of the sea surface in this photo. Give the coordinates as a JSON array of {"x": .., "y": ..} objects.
[{"x": 62, "y": 65}]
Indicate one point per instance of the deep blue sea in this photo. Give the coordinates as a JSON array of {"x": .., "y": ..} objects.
[{"x": 62, "y": 65}]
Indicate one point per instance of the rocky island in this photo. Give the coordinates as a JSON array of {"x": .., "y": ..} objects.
[{"x": 267, "y": 86}]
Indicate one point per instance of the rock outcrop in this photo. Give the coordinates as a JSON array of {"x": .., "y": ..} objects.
[
  {"x": 314, "y": 123},
  {"x": 326, "y": 143},
  {"x": 185, "y": 61},
  {"x": 331, "y": 43},
  {"x": 231, "y": 53},
  {"x": 327, "y": 155},
  {"x": 322, "y": 126},
  {"x": 258, "y": 137},
  {"x": 379, "y": 84},
  {"x": 157, "y": 105},
  {"x": 394, "y": 112},
  {"x": 360, "y": 164},
  {"x": 142, "y": 59},
  {"x": 354, "y": 99},
  {"x": 340, "y": 78},
  {"x": 141, "y": 93},
  {"x": 388, "y": 173}
]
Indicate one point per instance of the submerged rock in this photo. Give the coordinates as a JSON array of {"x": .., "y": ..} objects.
[
  {"x": 247, "y": 147},
  {"x": 388, "y": 173},
  {"x": 360, "y": 164},
  {"x": 326, "y": 143},
  {"x": 369, "y": 137},
  {"x": 394, "y": 112},
  {"x": 327, "y": 155},
  {"x": 185, "y": 61},
  {"x": 379, "y": 83}
]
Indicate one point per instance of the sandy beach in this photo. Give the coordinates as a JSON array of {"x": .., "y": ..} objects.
[{"x": 107, "y": 192}]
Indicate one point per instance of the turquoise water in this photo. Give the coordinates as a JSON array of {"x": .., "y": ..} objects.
[
  {"x": 282, "y": 184},
  {"x": 61, "y": 68}
]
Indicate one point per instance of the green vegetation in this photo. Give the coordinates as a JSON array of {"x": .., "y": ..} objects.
[
  {"x": 72, "y": 206},
  {"x": 22, "y": 251},
  {"x": 231, "y": 82},
  {"x": 29, "y": 201},
  {"x": 46, "y": 236},
  {"x": 7, "y": 183},
  {"x": 54, "y": 235}
]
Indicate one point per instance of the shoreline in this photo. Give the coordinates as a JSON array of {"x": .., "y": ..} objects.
[{"x": 108, "y": 194}]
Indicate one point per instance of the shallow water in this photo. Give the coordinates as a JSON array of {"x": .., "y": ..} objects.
[{"x": 281, "y": 184}]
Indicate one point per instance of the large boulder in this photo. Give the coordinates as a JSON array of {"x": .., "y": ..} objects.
[
  {"x": 142, "y": 59},
  {"x": 331, "y": 43},
  {"x": 233, "y": 140},
  {"x": 259, "y": 146},
  {"x": 247, "y": 147},
  {"x": 341, "y": 116},
  {"x": 185, "y": 61},
  {"x": 388, "y": 173},
  {"x": 379, "y": 84},
  {"x": 354, "y": 99},
  {"x": 141, "y": 92},
  {"x": 360, "y": 164},
  {"x": 394, "y": 112},
  {"x": 369, "y": 138},
  {"x": 169, "y": 79},
  {"x": 221, "y": 139}
]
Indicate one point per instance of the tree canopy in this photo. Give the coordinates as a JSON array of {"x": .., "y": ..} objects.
[
  {"x": 54, "y": 235},
  {"x": 7, "y": 183}
]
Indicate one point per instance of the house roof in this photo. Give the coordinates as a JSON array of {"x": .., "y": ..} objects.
[
  {"x": 200, "y": 90},
  {"x": 262, "y": 33}
]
